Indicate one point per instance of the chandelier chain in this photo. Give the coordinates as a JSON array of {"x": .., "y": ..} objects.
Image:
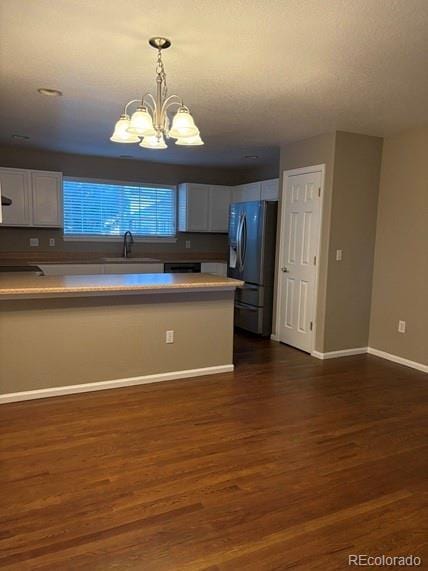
[{"x": 160, "y": 70}]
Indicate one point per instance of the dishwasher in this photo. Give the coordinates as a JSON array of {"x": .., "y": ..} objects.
[{"x": 182, "y": 267}]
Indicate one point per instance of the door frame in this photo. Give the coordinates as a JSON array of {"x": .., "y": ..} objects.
[{"x": 279, "y": 282}]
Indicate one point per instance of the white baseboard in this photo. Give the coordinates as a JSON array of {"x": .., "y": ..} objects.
[
  {"x": 274, "y": 337},
  {"x": 113, "y": 384},
  {"x": 341, "y": 353},
  {"x": 397, "y": 359}
]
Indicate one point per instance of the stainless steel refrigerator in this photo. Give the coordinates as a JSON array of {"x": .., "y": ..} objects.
[{"x": 252, "y": 236}]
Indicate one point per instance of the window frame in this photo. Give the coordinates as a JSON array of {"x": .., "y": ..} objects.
[{"x": 119, "y": 237}]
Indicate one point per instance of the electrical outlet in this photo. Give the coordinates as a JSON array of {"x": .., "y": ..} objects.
[
  {"x": 51, "y": 241},
  {"x": 339, "y": 255},
  {"x": 401, "y": 327},
  {"x": 187, "y": 243},
  {"x": 34, "y": 242},
  {"x": 169, "y": 336}
]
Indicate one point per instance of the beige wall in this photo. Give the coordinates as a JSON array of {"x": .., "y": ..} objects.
[
  {"x": 314, "y": 151},
  {"x": 353, "y": 230},
  {"x": 17, "y": 239},
  {"x": 352, "y": 165},
  {"x": 60, "y": 342},
  {"x": 400, "y": 281}
]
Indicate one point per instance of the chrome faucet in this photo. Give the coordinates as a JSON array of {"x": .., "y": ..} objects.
[{"x": 127, "y": 243}]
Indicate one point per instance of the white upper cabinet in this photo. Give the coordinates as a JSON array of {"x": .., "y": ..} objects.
[
  {"x": 218, "y": 214},
  {"x": 36, "y": 197},
  {"x": 193, "y": 203},
  {"x": 15, "y": 184},
  {"x": 269, "y": 189},
  {"x": 46, "y": 195},
  {"x": 247, "y": 192},
  {"x": 264, "y": 190},
  {"x": 203, "y": 207}
]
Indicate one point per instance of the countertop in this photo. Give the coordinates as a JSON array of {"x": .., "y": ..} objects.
[{"x": 28, "y": 287}]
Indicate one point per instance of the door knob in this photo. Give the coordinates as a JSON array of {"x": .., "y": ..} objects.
[{"x": 284, "y": 269}]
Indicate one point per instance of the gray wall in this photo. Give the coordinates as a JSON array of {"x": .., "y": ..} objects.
[
  {"x": 17, "y": 239},
  {"x": 352, "y": 165},
  {"x": 353, "y": 230},
  {"x": 400, "y": 282}
]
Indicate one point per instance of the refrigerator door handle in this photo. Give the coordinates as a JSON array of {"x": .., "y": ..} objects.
[
  {"x": 238, "y": 244},
  {"x": 243, "y": 240}
]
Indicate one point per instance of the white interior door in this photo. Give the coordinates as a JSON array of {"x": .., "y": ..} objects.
[{"x": 300, "y": 234}]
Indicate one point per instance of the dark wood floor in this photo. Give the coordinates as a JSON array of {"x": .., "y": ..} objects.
[{"x": 289, "y": 462}]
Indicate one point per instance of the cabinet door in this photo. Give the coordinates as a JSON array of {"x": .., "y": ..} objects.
[
  {"x": 251, "y": 191},
  {"x": 71, "y": 269},
  {"x": 133, "y": 268},
  {"x": 219, "y": 208},
  {"x": 238, "y": 193},
  {"x": 216, "y": 268},
  {"x": 270, "y": 189},
  {"x": 193, "y": 208},
  {"x": 209, "y": 268},
  {"x": 15, "y": 184},
  {"x": 46, "y": 188},
  {"x": 247, "y": 192}
]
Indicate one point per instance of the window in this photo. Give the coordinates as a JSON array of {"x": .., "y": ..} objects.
[{"x": 108, "y": 209}]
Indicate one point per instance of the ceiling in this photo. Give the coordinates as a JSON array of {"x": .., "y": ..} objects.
[{"x": 255, "y": 73}]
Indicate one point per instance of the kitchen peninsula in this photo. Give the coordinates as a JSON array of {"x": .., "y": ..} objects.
[{"x": 68, "y": 334}]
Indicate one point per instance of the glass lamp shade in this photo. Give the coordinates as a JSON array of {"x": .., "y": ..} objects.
[
  {"x": 153, "y": 142},
  {"x": 120, "y": 133},
  {"x": 141, "y": 123},
  {"x": 183, "y": 125},
  {"x": 190, "y": 141}
]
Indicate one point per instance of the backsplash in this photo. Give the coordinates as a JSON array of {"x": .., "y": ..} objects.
[{"x": 18, "y": 240}]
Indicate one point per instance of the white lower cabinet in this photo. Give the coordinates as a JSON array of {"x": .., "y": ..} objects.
[
  {"x": 94, "y": 269},
  {"x": 71, "y": 269},
  {"x": 124, "y": 268},
  {"x": 216, "y": 268}
]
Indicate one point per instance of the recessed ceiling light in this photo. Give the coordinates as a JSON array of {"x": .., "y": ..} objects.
[
  {"x": 50, "y": 92},
  {"x": 251, "y": 157},
  {"x": 20, "y": 137}
]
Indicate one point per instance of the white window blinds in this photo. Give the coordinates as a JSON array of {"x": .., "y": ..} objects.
[{"x": 110, "y": 209}]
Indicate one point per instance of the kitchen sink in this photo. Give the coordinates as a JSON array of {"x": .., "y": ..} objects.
[{"x": 122, "y": 260}]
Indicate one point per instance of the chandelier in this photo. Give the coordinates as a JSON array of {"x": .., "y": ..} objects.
[{"x": 150, "y": 124}]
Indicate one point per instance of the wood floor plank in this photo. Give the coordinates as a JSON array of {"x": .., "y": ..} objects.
[{"x": 289, "y": 462}]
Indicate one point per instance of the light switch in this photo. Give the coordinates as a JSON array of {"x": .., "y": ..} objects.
[
  {"x": 34, "y": 242},
  {"x": 402, "y": 327},
  {"x": 187, "y": 243},
  {"x": 169, "y": 336},
  {"x": 339, "y": 255}
]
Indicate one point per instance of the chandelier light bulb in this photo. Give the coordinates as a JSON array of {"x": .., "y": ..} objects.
[
  {"x": 183, "y": 125},
  {"x": 121, "y": 134},
  {"x": 141, "y": 123},
  {"x": 193, "y": 141},
  {"x": 153, "y": 142}
]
